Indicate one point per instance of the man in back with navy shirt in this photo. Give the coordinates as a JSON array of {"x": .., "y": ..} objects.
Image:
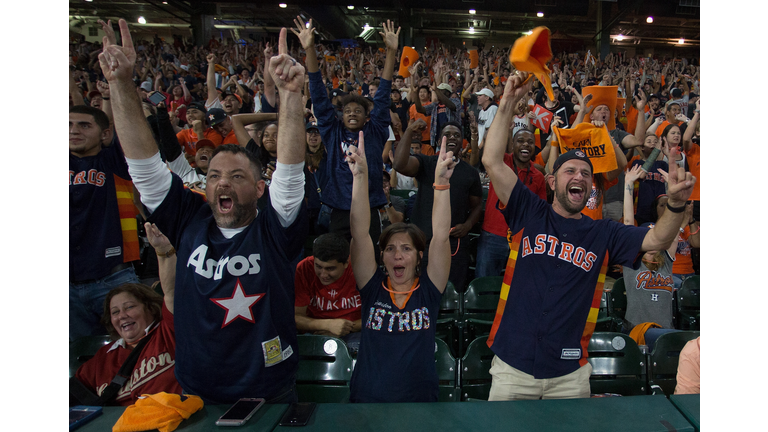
[
  {"x": 103, "y": 239},
  {"x": 558, "y": 259},
  {"x": 236, "y": 334}
]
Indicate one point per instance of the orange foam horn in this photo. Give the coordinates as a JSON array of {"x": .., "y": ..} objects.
[
  {"x": 409, "y": 58},
  {"x": 531, "y": 53},
  {"x": 473, "y": 59}
]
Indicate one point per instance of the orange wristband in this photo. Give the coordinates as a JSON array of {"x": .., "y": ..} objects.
[{"x": 440, "y": 187}]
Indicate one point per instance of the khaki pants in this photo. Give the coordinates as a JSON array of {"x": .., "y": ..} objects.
[{"x": 512, "y": 384}]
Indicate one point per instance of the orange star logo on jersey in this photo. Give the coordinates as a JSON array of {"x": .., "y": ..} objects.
[{"x": 239, "y": 305}]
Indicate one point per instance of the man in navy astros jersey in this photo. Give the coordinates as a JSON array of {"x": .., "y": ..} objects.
[
  {"x": 558, "y": 260},
  {"x": 235, "y": 330},
  {"x": 103, "y": 239}
]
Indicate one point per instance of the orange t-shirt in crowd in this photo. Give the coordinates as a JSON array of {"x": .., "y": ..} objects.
[
  {"x": 188, "y": 138},
  {"x": 231, "y": 138},
  {"x": 663, "y": 125},
  {"x": 693, "y": 155},
  {"x": 632, "y": 119},
  {"x": 594, "y": 207},
  {"x": 415, "y": 115},
  {"x": 683, "y": 262},
  {"x": 427, "y": 150}
]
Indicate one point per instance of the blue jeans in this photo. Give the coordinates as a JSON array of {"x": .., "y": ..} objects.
[
  {"x": 492, "y": 255},
  {"x": 86, "y": 303}
]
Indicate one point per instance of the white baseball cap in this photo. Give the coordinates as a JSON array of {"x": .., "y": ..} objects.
[{"x": 485, "y": 92}]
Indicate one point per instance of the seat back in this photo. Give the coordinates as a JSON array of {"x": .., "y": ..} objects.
[
  {"x": 475, "y": 366},
  {"x": 482, "y": 297},
  {"x": 325, "y": 369},
  {"x": 480, "y": 302},
  {"x": 402, "y": 193},
  {"x": 617, "y": 300},
  {"x": 447, "y": 318},
  {"x": 662, "y": 362},
  {"x": 83, "y": 349},
  {"x": 447, "y": 370},
  {"x": 618, "y": 365},
  {"x": 688, "y": 304}
]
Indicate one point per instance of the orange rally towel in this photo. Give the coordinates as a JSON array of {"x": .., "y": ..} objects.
[
  {"x": 638, "y": 332},
  {"x": 161, "y": 411},
  {"x": 594, "y": 141},
  {"x": 473, "y": 59},
  {"x": 531, "y": 54}
]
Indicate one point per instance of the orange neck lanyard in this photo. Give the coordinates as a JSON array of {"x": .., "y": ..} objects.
[{"x": 388, "y": 287}]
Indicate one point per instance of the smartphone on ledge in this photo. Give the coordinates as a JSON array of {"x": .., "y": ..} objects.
[
  {"x": 298, "y": 414},
  {"x": 240, "y": 412}
]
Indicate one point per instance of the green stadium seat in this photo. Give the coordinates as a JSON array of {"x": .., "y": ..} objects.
[
  {"x": 618, "y": 365},
  {"x": 325, "y": 369},
  {"x": 688, "y": 309},
  {"x": 447, "y": 370},
  {"x": 402, "y": 193},
  {"x": 617, "y": 304},
  {"x": 83, "y": 349},
  {"x": 475, "y": 367},
  {"x": 447, "y": 319},
  {"x": 480, "y": 302},
  {"x": 662, "y": 362}
]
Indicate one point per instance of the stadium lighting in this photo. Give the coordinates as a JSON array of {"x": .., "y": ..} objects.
[
  {"x": 472, "y": 11},
  {"x": 350, "y": 7},
  {"x": 283, "y": 5},
  {"x": 649, "y": 19},
  {"x": 142, "y": 20},
  {"x": 471, "y": 30},
  {"x": 540, "y": 14},
  {"x": 681, "y": 41}
]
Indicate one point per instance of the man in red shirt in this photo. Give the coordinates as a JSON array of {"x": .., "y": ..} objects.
[
  {"x": 327, "y": 298},
  {"x": 493, "y": 248}
]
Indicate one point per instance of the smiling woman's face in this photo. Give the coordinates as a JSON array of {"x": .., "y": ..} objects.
[{"x": 129, "y": 317}]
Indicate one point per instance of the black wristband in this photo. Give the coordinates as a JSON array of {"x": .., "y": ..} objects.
[{"x": 676, "y": 209}]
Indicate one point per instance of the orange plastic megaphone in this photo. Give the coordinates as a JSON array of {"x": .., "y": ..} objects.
[
  {"x": 408, "y": 59},
  {"x": 603, "y": 95},
  {"x": 473, "y": 59},
  {"x": 531, "y": 53}
]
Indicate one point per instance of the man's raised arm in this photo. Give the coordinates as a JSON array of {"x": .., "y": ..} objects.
[
  {"x": 287, "y": 187},
  {"x": 130, "y": 124},
  {"x": 150, "y": 175},
  {"x": 502, "y": 176}
]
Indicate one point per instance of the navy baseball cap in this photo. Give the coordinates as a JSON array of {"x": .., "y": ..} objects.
[
  {"x": 570, "y": 155},
  {"x": 216, "y": 116},
  {"x": 312, "y": 125}
]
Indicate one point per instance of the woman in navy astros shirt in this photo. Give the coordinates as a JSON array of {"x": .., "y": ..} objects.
[{"x": 400, "y": 303}]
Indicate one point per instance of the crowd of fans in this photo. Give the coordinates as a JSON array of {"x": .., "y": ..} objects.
[{"x": 363, "y": 119}]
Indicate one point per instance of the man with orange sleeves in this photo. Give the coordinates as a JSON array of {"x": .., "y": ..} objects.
[{"x": 558, "y": 259}]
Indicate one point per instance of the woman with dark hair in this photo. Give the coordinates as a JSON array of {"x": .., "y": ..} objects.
[
  {"x": 399, "y": 303},
  {"x": 671, "y": 138},
  {"x": 133, "y": 312}
]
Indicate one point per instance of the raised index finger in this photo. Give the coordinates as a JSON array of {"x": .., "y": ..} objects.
[
  {"x": 361, "y": 142},
  {"x": 282, "y": 47}
]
